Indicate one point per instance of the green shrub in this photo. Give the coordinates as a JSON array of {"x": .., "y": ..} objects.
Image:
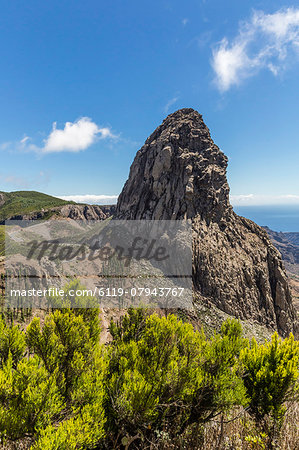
[
  {"x": 130, "y": 326},
  {"x": 66, "y": 342},
  {"x": 157, "y": 384},
  {"x": 271, "y": 379},
  {"x": 163, "y": 375},
  {"x": 12, "y": 341},
  {"x": 84, "y": 430},
  {"x": 29, "y": 397}
]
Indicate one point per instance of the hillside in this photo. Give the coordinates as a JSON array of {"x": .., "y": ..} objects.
[
  {"x": 32, "y": 205},
  {"x": 24, "y": 202},
  {"x": 293, "y": 237},
  {"x": 287, "y": 244}
]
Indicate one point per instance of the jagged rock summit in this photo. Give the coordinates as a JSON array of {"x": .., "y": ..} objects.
[{"x": 180, "y": 173}]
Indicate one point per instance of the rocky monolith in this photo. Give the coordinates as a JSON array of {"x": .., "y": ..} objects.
[{"x": 180, "y": 173}]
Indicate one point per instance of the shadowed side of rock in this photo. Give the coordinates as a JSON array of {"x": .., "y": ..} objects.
[{"x": 239, "y": 270}]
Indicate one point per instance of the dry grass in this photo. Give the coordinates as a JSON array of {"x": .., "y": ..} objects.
[
  {"x": 242, "y": 434},
  {"x": 225, "y": 433},
  {"x": 233, "y": 432}
]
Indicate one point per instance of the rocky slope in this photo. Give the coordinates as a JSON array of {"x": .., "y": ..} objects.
[
  {"x": 288, "y": 245},
  {"x": 69, "y": 211},
  {"x": 180, "y": 173},
  {"x": 292, "y": 237},
  {"x": 289, "y": 250}
]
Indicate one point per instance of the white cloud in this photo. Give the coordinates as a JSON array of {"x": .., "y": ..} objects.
[
  {"x": 169, "y": 104},
  {"x": 75, "y": 136},
  {"x": 265, "y": 41},
  {"x": 91, "y": 198},
  {"x": 184, "y": 22},
  {"x": 256, "y": 199}
]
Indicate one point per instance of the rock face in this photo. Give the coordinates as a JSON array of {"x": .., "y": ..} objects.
[
  {"x": 180, "y": 173},
  {"x": 86, "y": 212}
]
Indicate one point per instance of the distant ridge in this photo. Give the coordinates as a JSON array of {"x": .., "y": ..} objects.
[
  {"x": 287, "y": 244},
  {"x": 293, "y": 237},
  {"x": 30, "y": 205},
  {"x": 24, "y": 202}
]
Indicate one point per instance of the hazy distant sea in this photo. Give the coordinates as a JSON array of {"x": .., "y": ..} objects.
[{"x": 278, "y": 218}]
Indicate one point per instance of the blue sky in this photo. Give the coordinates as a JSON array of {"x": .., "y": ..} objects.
[{"x": 82, "y": 85}]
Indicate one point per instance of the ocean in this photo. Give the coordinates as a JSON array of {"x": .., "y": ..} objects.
[{"x": 278, "y": 218}]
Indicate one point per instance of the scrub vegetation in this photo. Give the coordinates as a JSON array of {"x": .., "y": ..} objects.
[{"x": 159, "y": 384}]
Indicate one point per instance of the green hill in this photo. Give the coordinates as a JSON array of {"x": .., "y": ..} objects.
[{"x": 24, "y": 202}]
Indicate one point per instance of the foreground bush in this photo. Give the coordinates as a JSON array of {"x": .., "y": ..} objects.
[
  {"x": 158, "y": 384},
  {"x": 163, "y": 375},
  {"x": 271, "y": 380},
  {"x": 58, "y": 380}
]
